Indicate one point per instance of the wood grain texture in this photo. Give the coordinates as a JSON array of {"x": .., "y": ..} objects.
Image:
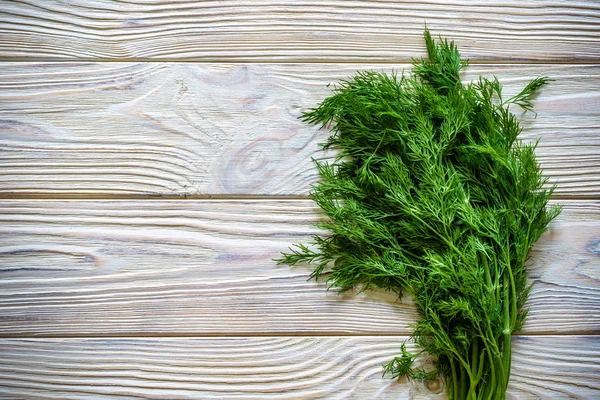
[
  {"x": 270, "y": 368},
  {"x": 310, "y": 30},
  {"x": 178, "y": 129},
  {"x": 179, "y": 267},
  {"x": 159, "y": 299}
]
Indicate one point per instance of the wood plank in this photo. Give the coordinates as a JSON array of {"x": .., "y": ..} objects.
[
  {"x": 178, "y": 129},
  {"x": 310, "y": 30},
  {"x": 84, "y": 268},
  {"x": 269, "y": 368}
]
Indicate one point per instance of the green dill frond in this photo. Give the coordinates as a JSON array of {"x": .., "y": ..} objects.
[
  {"x": 433, "y": 195},
  {"x": 524, "y": 98}
]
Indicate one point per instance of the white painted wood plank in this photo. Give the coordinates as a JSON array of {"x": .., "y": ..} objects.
[
  {"x": 178, "y": 129},
  {"x": 144, "y": 267},
  {"x": 309, "y": 30},
  {"x": 559, "y": 367}
]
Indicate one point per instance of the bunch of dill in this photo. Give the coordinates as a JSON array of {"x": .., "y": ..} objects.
[{"x": 432, "y": 195}]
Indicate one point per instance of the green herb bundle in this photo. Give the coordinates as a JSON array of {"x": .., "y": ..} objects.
[{"x": 432, "y": 195}]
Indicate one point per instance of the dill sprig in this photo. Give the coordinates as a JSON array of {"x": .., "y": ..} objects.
[{"x": 433, "y": 195}]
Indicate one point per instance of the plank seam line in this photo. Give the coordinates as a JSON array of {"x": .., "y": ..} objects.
[
  {"x": 298, "y": 62},
  {"x": 153, "y": 197},
  {"x": 266, "y": 334},
  {"x": 244, "y": 197}
]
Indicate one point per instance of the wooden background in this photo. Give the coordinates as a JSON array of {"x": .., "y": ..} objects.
[{"x": 152, "y": 165}]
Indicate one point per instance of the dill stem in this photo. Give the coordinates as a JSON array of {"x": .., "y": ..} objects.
[
  {"x": 475, "y": 364},
  {"x": 493, "y": 371},
  {"x": 463, "y": 383},
  {"x": 487, "y": 391},
  {"x": 507, "y": 332},
  {"x": 507, "y": 353},
  {"x": 474, "y": 354},
  {"x": 513, "y": 290},
  {"x": 454, "y": 390}
]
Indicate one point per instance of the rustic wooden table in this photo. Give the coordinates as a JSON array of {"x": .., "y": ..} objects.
[{"x": 152, "y": 165}]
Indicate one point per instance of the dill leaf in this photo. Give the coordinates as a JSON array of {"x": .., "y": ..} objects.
[{"x": 433, "y": 195}]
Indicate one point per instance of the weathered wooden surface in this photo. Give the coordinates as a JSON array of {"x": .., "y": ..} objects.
[
  {"x": 141, "y": 267},
  {"x": 544, "y": 367},
  {"x": 119, "y": 100},
  {"x": 180, "y": 129},
  {"x": 312, "y": 30}
]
